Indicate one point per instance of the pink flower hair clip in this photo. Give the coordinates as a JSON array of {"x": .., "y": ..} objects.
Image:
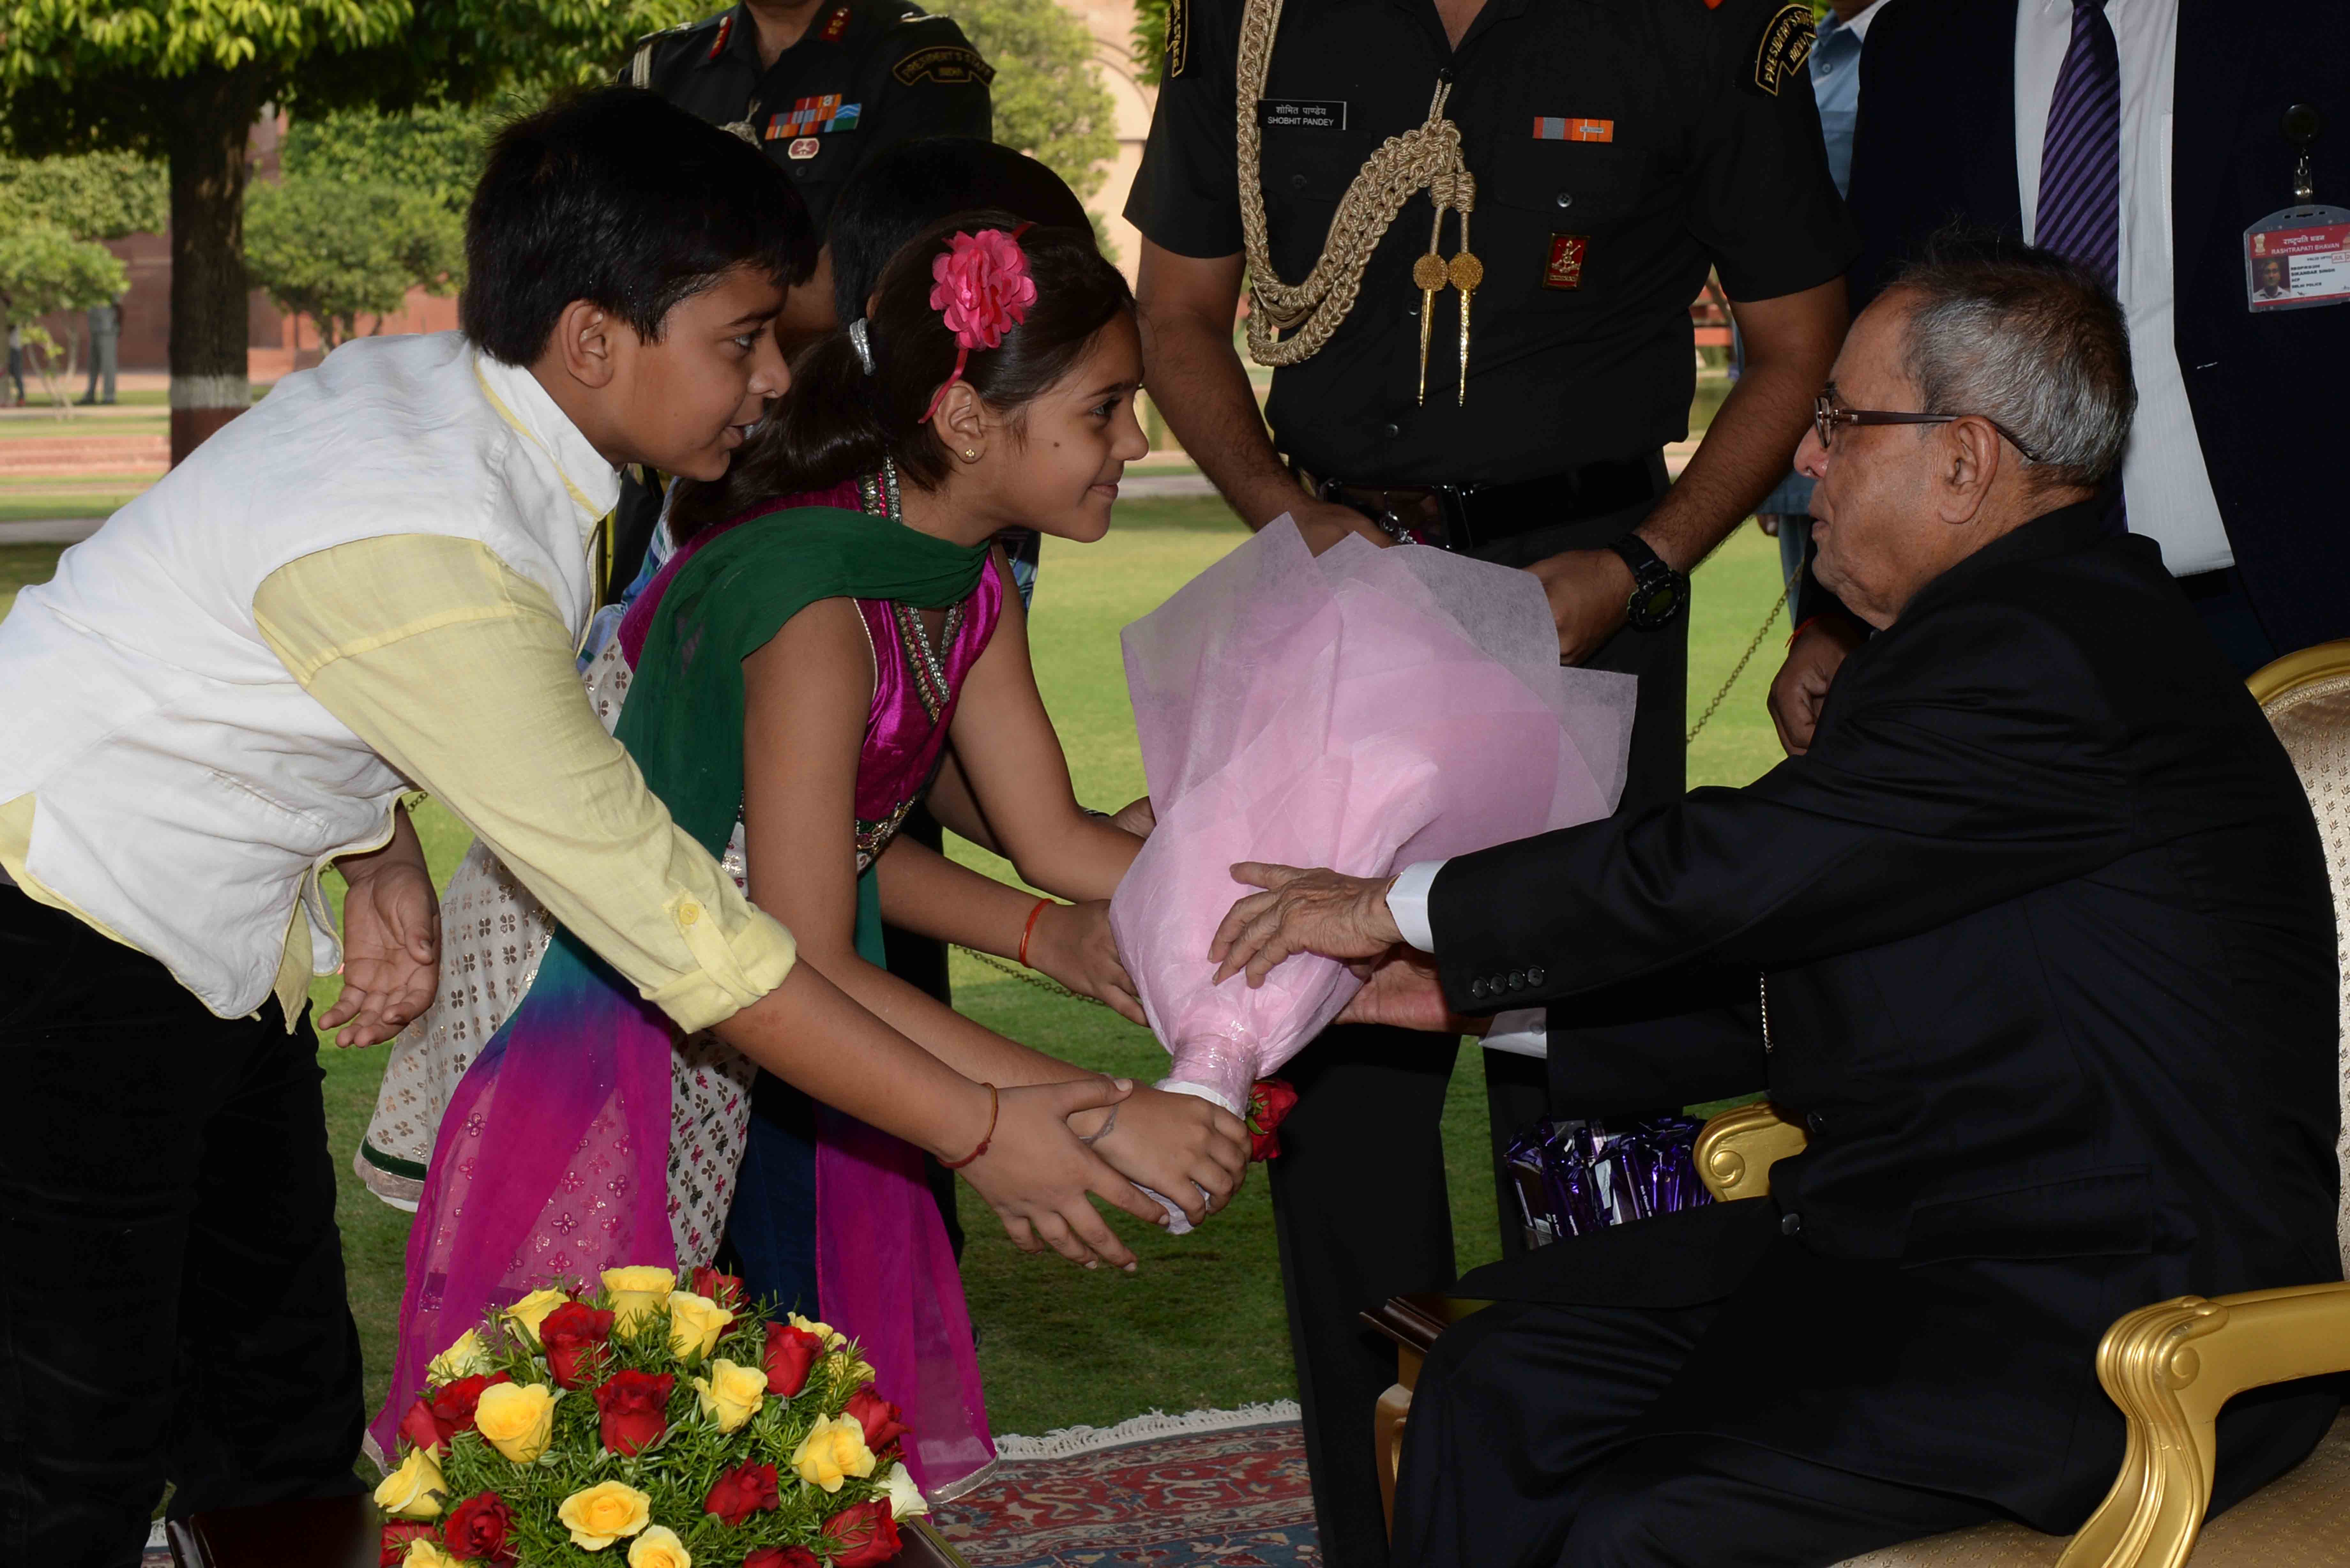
[{"x": 983, "y": 289}]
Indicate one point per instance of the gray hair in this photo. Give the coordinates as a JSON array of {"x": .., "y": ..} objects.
[{"x": 2028, "y": 340}]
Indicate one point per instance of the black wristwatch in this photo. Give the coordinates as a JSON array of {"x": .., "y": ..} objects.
[{"x": 1658, "y": 592}]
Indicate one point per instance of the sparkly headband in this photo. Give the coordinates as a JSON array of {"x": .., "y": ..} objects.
[
  {"x": 982, "y": 286},
  {"x": 860, "y": 337}
]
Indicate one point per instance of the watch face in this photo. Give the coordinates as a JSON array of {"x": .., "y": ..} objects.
[{"x": 1656, "y": 600}]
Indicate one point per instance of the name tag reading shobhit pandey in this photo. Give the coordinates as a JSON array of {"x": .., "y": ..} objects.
[{"x": 1302, "y": 113}]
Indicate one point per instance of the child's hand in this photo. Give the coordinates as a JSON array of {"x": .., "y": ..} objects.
[
  {"x": 1035, "y": 1173},
  {"x": 1073, "y": 945},
  {"x": 1137, "y": 817},
  {"x": 391, "y": 951},
  {"x": 1192, "y": 1150}
]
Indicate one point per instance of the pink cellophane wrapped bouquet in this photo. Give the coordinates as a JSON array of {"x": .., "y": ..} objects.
[{"x": 1361, "y": 710}]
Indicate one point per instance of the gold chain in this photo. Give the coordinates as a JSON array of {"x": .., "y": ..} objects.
[{"x": 1425, "y": 158}]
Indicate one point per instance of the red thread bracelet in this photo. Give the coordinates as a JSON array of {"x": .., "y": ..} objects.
[
  {"x": 995, "y": 1105},
  {"x": 1030, "y": 929},
  {"x": 1804, "y": 625}
]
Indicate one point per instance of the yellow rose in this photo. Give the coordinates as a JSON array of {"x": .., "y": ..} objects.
[
  {"x": 413, "y": 1490},
  {"x": 848, "y": 1370},
  {"x": 531, "y": 1311},
  {"x": 905, "y": 1497},
  {"x": 833, "y": 1338},
  {"x": 659, "y": 1547},
  {"x": 635, "y": 1293},
  {"x": 462, "y": 1359},
  {"x": 832, "y": 1453},
  {"x": 517, "y": 1418},
  {"x": 425, "y": 1553},
  {"x": 694, "y": 1324},
  {"x": 603, "y": 1513},
  {"x": 732, "y": 1395}
]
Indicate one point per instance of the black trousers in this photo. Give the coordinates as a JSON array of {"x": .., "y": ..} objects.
[
  {"x": 173, "y": 1306},
  {"x": 1360, "y": 1209},
  {"x": 1516, "y": 1457}
]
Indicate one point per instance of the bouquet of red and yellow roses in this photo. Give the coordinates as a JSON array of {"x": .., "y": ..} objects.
[{"x": 646, "y": 1423}]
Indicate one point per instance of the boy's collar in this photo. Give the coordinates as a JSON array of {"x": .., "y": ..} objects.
[{"x": 594, "y": 483}]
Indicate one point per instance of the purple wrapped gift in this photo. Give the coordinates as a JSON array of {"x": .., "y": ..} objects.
[{"x": 1573, "y": 1177}]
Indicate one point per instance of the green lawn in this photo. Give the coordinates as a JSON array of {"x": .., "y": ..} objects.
[{"x": 1202, "y": 1322}]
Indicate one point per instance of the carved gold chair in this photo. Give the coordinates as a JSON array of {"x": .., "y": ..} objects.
[{"x": 2170, "y": 1366}]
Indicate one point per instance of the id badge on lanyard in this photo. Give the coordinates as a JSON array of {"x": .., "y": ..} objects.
[{"x": 2298, "y": 256}]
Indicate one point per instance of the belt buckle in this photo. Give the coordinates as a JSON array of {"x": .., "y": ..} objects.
[
  {"x": 1452, "y": 508},
  {"x": 1385, "y": 518}
]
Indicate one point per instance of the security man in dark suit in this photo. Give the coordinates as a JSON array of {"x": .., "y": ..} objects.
[
  {"x": 1483, "y": 343},
  {"x": 2035, "y": 937},
  {"x": 821, "y": 85},
  {"x": 2225, "y": 117}
]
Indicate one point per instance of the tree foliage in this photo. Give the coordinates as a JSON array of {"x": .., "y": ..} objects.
[
  {"x": 436, "y": 150},
  {"x": 336, "y": 250},
  {"x": 97, "y": 196},
  {"x": 1050, "y": 102},
  {"x": 44, "y": 269},
  {"x": 78, "y": 74},
  {"x": 1150, "y": 36}
]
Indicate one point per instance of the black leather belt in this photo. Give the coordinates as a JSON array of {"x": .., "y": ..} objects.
[{"x": 1471, "y": 516}]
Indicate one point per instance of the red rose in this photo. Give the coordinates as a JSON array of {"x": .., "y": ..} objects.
[
  {"x": 455, "y": 1404},
  {"x": 1270, "y": 1101},
  {"x": 741, "y": 1492},
  {"x": 782, "y": 1557},
  {"x": 441, "y": 1414},
  {"x": 420, "y": 1428},
  {"x": 726, "y": 1290},
  {"x": 632, "y": 1405},
  {"x": 396, "y": 1537},
  {"x": 478, "y": 1527},
  {"x": 573, "y": 1337},
  {"x": 877, "y": 1416},
  {"x": 790, "y": 1353},
  {"x": 866, "y": 1534}
]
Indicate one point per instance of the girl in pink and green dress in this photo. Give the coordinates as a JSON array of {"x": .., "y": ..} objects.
[{"x": 800, "y": 669}]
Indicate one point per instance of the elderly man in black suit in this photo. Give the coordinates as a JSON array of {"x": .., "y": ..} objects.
[{"x": 2035, "y": 936}]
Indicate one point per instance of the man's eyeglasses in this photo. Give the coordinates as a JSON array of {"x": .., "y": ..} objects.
[{"x": 1827, "y": 413}]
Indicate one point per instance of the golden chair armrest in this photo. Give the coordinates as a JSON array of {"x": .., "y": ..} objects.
[
  {"x": 1736, "y": 1150},
  {"x": 2170, "y": 1366}
]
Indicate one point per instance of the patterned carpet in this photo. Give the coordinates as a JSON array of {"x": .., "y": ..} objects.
[
  {"x": 1157, "y": 1492},
  {"x": 1216, "y": 1488}
]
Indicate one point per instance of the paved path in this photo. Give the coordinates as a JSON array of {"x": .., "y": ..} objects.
[
  {"x": 84, "y": 456},
  {"x": 50, "y": 531}
]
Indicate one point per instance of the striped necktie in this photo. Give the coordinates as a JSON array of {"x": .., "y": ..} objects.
[{"x": 2080, "y": 160}]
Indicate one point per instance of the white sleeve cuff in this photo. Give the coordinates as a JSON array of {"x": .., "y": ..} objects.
[
  {"x": 1407, "y": 903},
  {"x": 1522, "y": 1032}
]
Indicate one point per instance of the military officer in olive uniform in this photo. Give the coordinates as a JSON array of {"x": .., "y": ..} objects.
[
  {"x": 821, "y": 85},
  {"x": 1470, "y": 230}
]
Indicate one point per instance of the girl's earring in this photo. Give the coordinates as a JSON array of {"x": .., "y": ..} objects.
[{"x": 970, "y": 455}]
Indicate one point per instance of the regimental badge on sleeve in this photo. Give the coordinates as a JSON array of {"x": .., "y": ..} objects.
[
  {"x": 1178, "y": 37},
  {"x": 946, "y": 63},
  {"x": 1781, "y": 49}
]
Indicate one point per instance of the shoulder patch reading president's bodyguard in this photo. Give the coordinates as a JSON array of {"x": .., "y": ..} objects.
[
  {"x": 1179, "y": 36},
  {"x": 951, "y": 63},
  {"x": 1782, "y": 48}
]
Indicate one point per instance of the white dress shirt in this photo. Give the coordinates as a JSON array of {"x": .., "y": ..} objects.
[{"x": 2163, "y": 475}]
